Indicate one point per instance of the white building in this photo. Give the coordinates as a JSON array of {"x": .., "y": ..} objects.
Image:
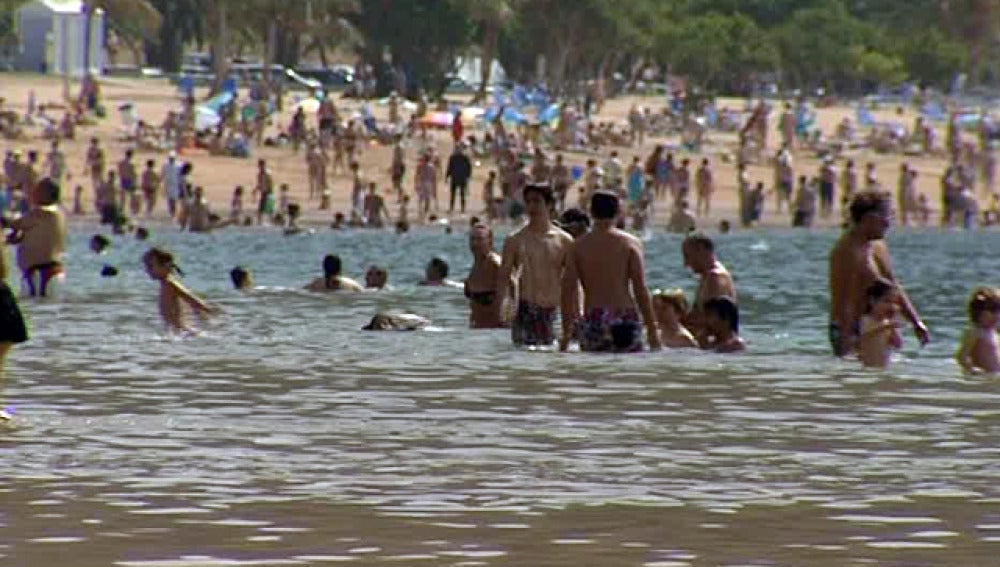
[{"x": 53, "y": 38}]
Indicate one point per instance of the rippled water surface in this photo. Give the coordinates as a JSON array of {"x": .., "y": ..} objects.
[{"x": 285, "y": 436}]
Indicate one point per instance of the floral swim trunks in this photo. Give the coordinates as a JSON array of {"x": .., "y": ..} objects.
[
  {"x": 533, "y": 325},
  {"x": 608, "y": 330}
]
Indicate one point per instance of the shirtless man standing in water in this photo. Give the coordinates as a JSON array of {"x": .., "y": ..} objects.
[
  {"x": 608, "y": 263},
  {"x": 859, "y": 258},
  {"x": 537, "y": 252},
  {"x": 714, "y": 280}
]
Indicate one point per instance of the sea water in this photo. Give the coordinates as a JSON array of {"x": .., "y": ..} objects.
[{"x": 284, "y": 435}]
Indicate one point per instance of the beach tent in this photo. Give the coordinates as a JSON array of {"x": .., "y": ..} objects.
[{"x": 53, "y": 38}]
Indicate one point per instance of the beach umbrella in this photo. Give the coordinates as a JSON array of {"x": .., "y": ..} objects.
[
  {"x": 205, "y": 118},
  {"x": 549, "y": 114}
]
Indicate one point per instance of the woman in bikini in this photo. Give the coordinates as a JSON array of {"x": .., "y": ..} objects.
[{"x": 485, "y": 304}]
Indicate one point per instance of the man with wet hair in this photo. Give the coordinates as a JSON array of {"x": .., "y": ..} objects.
[
  {"x": 714, "y": 280},
  {"x": 608, "y": 264},
  {"x": 859, "y": 258},
  {"x": 536, "y": 254}
]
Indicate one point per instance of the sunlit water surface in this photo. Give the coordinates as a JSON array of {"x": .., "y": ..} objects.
[{"x": 285, "y": 436}]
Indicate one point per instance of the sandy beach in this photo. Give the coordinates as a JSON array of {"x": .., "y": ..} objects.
[{"x": 153, "y": 98}]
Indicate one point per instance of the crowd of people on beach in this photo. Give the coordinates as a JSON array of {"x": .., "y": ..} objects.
[{"x": 574, "y": 259}]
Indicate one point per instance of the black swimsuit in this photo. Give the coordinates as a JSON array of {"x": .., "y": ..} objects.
[{"x": 484, "y": 298}]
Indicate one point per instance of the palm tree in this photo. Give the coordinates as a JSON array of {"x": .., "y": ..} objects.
[{"x": 491, "y": 16}]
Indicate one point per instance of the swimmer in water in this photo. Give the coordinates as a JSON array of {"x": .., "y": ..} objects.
[
  {"x": 485, "y": 307},
  {"x": 722, "y": 323},
  {"x": 609, "y": 265},
  {"x": 436, "y": 274},
  {"x": 242, "y": 278},
  {"x": 332, "y": 280},
  {"x": 396, "y": 322},
  {"x": 669, "y": 308},
  {"x": 99, "y": 244},
  {"x": 536, "y": 255},
  {"x": 879, "y": 326},
  {"x": 980, "y": 348},
  {"x": 376, "y": 278},
  {"x": 161, "y": 267}
]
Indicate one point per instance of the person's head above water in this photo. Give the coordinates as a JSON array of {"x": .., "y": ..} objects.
[
  {"x": 159, "y": 263},
  {"x": 984, "y": 301},
  {"x": 437, "y": 270},
  {"x": 141, "y": 233},
  {"x": 376, "y": 277},
  {"x": 722, "y": 314},
  {"x": 871, "y": 214},
  {"x": 604, "y": 206},
  {"x": 331, "y": 266},
  {"x": 481, "y": 239},
  {"x": 699, "y": 252},
  {"x": 99, "y": 243},
  {"x": 241, "y": 278},
  {"x": 575, "y": 221}
]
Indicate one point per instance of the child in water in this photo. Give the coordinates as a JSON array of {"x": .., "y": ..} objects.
[
  {"x": 669, "y": 307},
  {"x": 161, "y": 267},
  {"x": 722, "y": 321},
  {"x": 979, "y": 351},
  {"x": 879, "y": 332}
]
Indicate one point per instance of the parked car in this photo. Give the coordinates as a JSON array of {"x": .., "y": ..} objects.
[{"x": 330, "y": 78}]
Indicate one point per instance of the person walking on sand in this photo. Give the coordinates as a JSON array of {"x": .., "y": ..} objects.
[
  {"x": 608, "y": 264},
  {"x": 264, "y": 190},
  {"x": 705, "y": 184},
  {"x": 172, "y": 180},
  {"x": 858, "y": 259},
  {"x": 458, "y": 173},
  {"x": 537, "y": 254}
]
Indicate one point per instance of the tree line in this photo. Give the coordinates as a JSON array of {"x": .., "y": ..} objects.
[{"x": 720, "y": 45}]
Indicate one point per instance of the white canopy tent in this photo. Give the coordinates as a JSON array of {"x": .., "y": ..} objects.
[{"x": 54, "y": 38}]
